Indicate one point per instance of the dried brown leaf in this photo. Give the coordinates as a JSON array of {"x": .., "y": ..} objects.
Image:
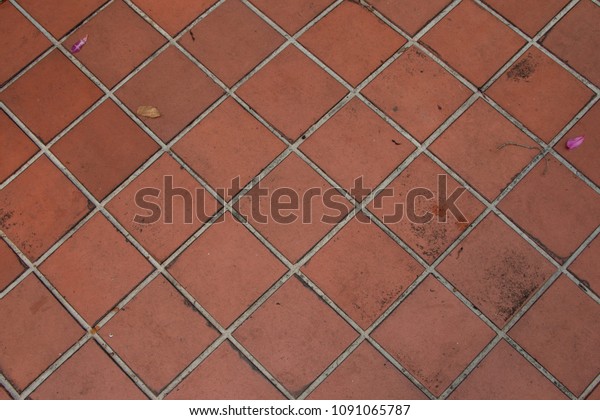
[{"x": 148, "y": 111}]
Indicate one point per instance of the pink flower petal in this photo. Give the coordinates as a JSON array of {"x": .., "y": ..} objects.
[
  {"x": 574, "y": 143},
  {"x": 79, "y": 45}
]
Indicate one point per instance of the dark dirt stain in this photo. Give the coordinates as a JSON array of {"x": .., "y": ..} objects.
[
  {"x": 396, "y": 142},
  {"x": 4, "y": 218},
  {"x": 192, "y": 35},
  {"x": 523, "y": 69},
  {"x": 395, "y": 108},
  {"x": 90, "y": 205}
]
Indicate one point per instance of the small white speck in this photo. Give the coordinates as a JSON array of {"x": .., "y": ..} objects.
[{"x": 110, "y": 336}]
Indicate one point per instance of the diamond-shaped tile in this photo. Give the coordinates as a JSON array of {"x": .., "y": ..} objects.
[
  {"x": 363, "y": 271},
  {"x": 231, "y": 41},
  {"x": 119, "y": 40},
  {"x": 478, "y": 147},
  {"x": 417, "y": 93},
  {"x": 587, "y": 266},
  {"x": 95, "y": 268},
  {"x": 20, "y": 146},
  {"x": 34, "y": 331},
  {"x": 40, "y": 206},
  {"x": 59, "y": 17},
  {"x": 88, "y": 375},
  {"x": 410, "y": 15},
  {"x": 174, "y": 85},
  {"x": 355, "y": 143},
  {"x": 174, "y": 15},
  {"x": 295, "y": 336},
  {"x": 227, "y": 144},
  {"x": 505, "y": 375},
  {"x": 352, "y": 41},
  {"x": 542, "y": 204},
  {"x": 433, "y": 335},
  {"x": 292, "y": 15},
  {"x": 540, "y": 93},
  {"x": 441, "y": 221},
  {"x": 158, "y": 334},
  {"x": 476, "y": 57},
  {"x": 104, "y": 149},
  {"x": 50, "y": 96},
  {"x": 237, "y": 270},
  {"x": 366, "y": 375},
  {"x": 291, "y": 92},
  {"x": 11, "y": 265},
  {"x": 529, "y": 15},
  {"x": 159, "y": 222},
  {"x": 225, "y": 375},
  {"x": 496, "y": 269},
  {"x": 561, "y": 332}
]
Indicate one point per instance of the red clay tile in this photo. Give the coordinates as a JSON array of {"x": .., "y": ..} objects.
[
  {"x": 291, "y": 92},
  {"x": 225, "y": 375},
  {"x": 295, "y": 336},
  {"x": 561, "y": 332},
  {"x": 119, "y": 40},
  {"x": 540, "y": 94},
  {"x": 95, "y": 268},
  {"x": 237, "y": 270},
  {"x": 352, "y": 41},
  {"x": 317, "y": 207},
  {"x": 529, "y": 15},
  {"x": 4, "y": 395},
  {"x": 174, "y": 15},
  {"x": 292, "y": 15},
  {"x": 11, "y": 265},
  {"x": 417, "y": 93},
  {"x": 554, "y": 207},
  {"x": 40, "y": 206},
  {"x": 163, "y": 235},
  {"x": 34, "y": 332},
  {"x": 505, "y": 375},
  {"x": 20, "y": 42},
  {"x": 158, "y": 334},
  {"x": 587, "y": 266},
  {"x": 479, "y": 57},
  {"x": 433, "y": 335},
  {"x": 174, "y": 85},
  {"x": 427, "y": 238},
  {"x": 231, "y": 41},
  {"x": 104, "y": 149},
  {"x": 410, "y": 15},
  {"x": 88, "y": 375},
  {"x": 475, "y": 146},
  {"x": 355, "y": 143},
  {"x": 363, "y": 271},
  {"x": 50, "y": 96},
  {"x": 59, "y": 17},
  {"x": 595, "y": 394},
  {"x": 496, "y": 269},
  {"x": 227, "y": 144},
  {"x": 366, "y": 375},
  {"x": 20, "y": 146}
]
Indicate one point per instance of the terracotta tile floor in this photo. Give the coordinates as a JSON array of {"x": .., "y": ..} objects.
[{"x": 300, "y": 149}]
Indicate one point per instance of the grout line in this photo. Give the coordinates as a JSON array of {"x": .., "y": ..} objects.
[
  {"x": 9, "y": 388},
  {"x": 592, "y": 386}
]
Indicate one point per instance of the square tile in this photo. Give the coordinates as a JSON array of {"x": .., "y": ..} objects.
[
  {"x": 479, "y": 57},
  {"x": 11, "y": 265},
  {"x": 540, "y": 94},
  {"x": 225, "y": 375},
  {"x": 292, "y": 15},
  {"x": 104, "y": 149},
  {"x": 237, "y": 271},
  {"x": 561, "y": 332},
  {"x": 291, "y": 92},
  {"x": 366, "y": 375},
  {"x": 295, "y": 336},
  {"x": 35, "y": 331},
  {"x": 529, "y": 15},
  {"x": 163, "y": 207},
  {"x": 477, "y": 146},
  {"x": 119, "y": 41},
  {"x": 293, "y": 207},
  {"x": 95, "y": 268},
  {"x": 174, "y": 15},
  {"x": 505, "y": 375},
  {"x": 174, "y": 85},
  {"x": 363, "y": 271},
  {"x": 88, "y": 375},
  {"x": 496, "y": 269},
  {"x": 417, "y": 93},
  {"x": 158, "y": 334},
  {"x": 40, "y": 206},
  {"x": 543, "y": 204},
  {"x": 229, "y": 144},
  {"x": 421, "y": 334},
  {"x": 352, "y": 41},
  {"x": 587, "y": 266},
  {"x": 357, "y": 143},
  {"x": 20, "y": 146},
  {"x": 231, "y": 41},
  {"x": 50, "y": 96},
  {"x": 410, "y": 15},
  {"x": 432, "y": 219}
]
